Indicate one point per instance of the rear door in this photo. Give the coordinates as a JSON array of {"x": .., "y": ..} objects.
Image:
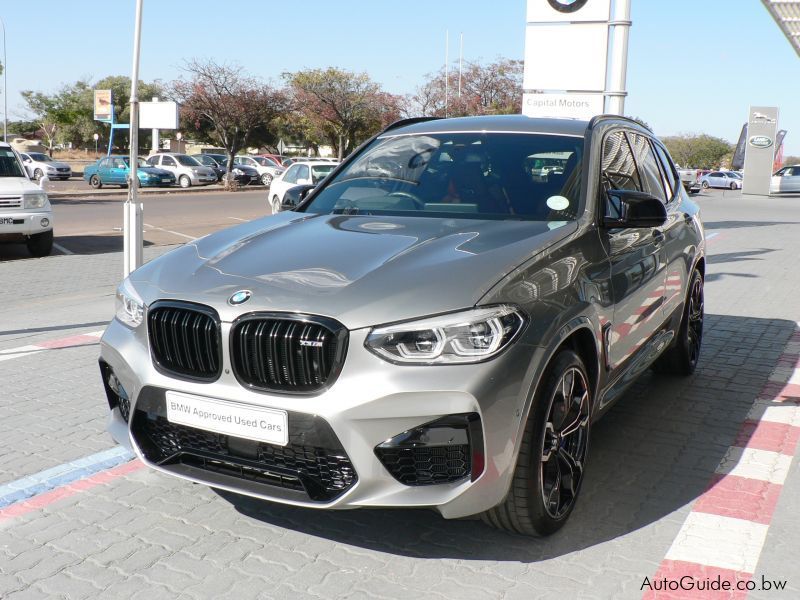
[
  {"x": 103, "y": 170},
  {"x": 636, "y": 255}
]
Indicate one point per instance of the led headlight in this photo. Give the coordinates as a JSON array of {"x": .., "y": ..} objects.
[
  {"x": 465, "y": 337},
  {"x": 35, "y": 200},
  {"x": 129, "y": 307}
]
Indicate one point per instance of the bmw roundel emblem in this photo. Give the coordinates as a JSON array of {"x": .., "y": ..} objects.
[
  {"x": 240, "y": 297},
  {"x": 567, "y": 6}
]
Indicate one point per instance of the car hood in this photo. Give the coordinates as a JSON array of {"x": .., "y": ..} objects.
[
  {"x": 55, "y": 164},
  {"x": 17, "y": 185},
  {"x": 360, "y": 270}
]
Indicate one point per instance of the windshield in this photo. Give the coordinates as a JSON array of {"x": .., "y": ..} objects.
[
  {"x": 9, "y": 165},
  {"x": 464, "y": 175},
  {"x": 186, "y": 160},
  {"x": 39, "y": 157}
]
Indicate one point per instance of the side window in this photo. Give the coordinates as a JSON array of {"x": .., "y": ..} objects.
[
  {"x": 103, "y": 163},
  {"x": 648, "y": 168},
  {"x": 291, "y": 175},
  {"x": 618, "y": 168},
  {"x": 153, "y": 161},
  {"x": 668, "y": 170},
  {"x": 303, "y": 173},
  {"x": 119, "y": 163},
  {"x": 167, "y": 161}
]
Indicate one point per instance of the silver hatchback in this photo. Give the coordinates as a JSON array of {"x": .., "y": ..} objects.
[{"x": 187, "y": 170}]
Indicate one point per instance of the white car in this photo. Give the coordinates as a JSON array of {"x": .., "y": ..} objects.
[
  {"x": 187, "y": 170},
  {"x": 300, "y": 173},
  {"x": 722, "y": 179},
  {"x": 267, "y": 171},
  {"x": 25, "y": 212},
  {"x": 38, "y": 164},
  {"x": 786, "y": 180}
]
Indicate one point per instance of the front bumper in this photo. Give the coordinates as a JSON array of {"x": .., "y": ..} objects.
[
  {"x": 371, "y": 402},
  {"x": 25, "y": 223}
]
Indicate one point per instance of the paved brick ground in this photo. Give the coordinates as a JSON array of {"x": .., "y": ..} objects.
[{"x": 144, "y": 535}]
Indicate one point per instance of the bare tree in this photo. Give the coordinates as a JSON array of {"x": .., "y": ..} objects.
[{"x": 230, "y": 106}]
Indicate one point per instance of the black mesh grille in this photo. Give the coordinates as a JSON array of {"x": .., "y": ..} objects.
[
  {"x": 426, "y": 465},
  {"x": 274, "y": 353},
  {"x": 313, "y": 462},
  {"x": 185, "y": 340}
]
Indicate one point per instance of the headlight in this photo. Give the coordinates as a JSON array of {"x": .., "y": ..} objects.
[
  {"x": 465, "y": 337},
  {"x": 129, "y": 307},
  {"x": 35, "y": 200}
]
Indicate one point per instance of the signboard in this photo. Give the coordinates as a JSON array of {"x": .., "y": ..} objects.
[
  {"x": 158, "y": 115},
  {"x": 103, "y": 107},
  {"x": 566, "y": 58},
  {"x": 762, "y": 127},
  {"x": 576, "y": 106},
  {"x": 737, "y": 162}
]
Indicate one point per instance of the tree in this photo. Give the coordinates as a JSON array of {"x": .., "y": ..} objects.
[
  {"x": 228, "y": 106},
  {"x": 341, "y": 107},
  {"x": 791, "y": 160},
  {"x": 486, "y": 89},
  {"x": 697, "y": 151},
  {"x": 46, "y": 113}
]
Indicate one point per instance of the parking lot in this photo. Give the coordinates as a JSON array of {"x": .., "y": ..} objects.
[{"x": 670, "y": 465}]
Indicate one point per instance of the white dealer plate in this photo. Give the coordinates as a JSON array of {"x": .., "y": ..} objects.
[{"x": 239, "y": 420}]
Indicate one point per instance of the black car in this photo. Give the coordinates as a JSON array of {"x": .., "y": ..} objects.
[{"x": 243, "y": 174}]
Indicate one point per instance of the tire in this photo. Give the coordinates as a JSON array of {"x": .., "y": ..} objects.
[
  {"x": 733, "y": 186},
  {"x": 705, "y": 185},
  {"x": 266, "y": 179},
  {"x": 40, "y": 244},
  {"x": 682, "y": 356},
  {"x": 543, "y": 453},
  {"x": 276, "y": 205},
  {"x": 95, "y": 182},
  {"x": 37, "y": 174},
  {"x": 184, "y": 181}
]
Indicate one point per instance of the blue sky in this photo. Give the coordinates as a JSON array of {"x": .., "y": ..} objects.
[{"x": 694, "y": 66}]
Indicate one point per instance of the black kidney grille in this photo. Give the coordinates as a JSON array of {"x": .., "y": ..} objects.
[
  {"x": 284, "y": 354},
  {"x": 185, "y": 341}
]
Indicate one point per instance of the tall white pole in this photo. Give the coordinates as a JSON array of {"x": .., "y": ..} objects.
[
  {"x": 619, "y": 30},
  {"x": 133, "y": 210},
  {"x": 446, "y": 71},
  {"x": 5, "y": 85}
]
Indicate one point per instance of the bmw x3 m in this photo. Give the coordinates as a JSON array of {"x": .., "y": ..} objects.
[{"x": 437, "y": 324}]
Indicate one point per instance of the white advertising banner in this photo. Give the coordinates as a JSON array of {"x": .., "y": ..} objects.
[
  {"x": 566, "y": 57},
  {"x": 573, "y": 11},
  {"x": 576, "y": 106}
]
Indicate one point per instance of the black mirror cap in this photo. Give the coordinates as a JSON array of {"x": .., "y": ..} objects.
[
  {"x": 295, "y": 195},
  {"x": 637, "y": 210}
]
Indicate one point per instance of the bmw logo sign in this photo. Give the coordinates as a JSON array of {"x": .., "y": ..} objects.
[
  {"x": 567, "y": 6},
  {"x": 240, "y": 297}
]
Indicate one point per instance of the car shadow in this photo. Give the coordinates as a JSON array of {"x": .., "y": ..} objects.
[
  {"x": 654, "y": 453},
  {"x": 709, "y": 226}
]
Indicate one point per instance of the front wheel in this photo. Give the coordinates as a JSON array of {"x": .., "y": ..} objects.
[
  {"x": 40, "y": 244},
  {"x": 734, "y": 186},
  {"x": 276, "y": 205},
  {"x": 266, "y": 179},
  {"x": 184, "y": 181},
  {"x": 681, "y": 358},
  {"x": 552, "y": 457},
  {"x": 95, "y": 182},
  {"x": 37, "y": 174},
  {"x": 705, "y": 185}
]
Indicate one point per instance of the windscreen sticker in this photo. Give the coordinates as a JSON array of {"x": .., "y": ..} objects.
[{"x": 557, "y": 203}]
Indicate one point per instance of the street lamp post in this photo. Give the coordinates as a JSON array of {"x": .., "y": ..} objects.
[
  {"x": 132, "y": 225},
  {"x": 5, "y": 85}
]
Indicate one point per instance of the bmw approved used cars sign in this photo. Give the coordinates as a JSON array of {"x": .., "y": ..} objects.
[
  {"x": 567, "y": 6},
  {"x": 760, "y": 141}
]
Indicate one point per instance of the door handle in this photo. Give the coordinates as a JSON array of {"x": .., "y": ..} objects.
[
  {"x": 658, "y": 236},
  {"x": 687, "y": 218}
]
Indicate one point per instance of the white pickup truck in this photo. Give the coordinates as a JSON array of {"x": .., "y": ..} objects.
[
  {"x": 689, "y": 180},
  {"x": 25, "y": 212}
]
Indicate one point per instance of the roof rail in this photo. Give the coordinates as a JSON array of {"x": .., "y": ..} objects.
[
  {"x": 411, "y": 121},
  {"x": 599, "y": 118}
]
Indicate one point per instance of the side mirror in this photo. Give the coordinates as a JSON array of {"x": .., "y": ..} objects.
[{"x": 631, "y": 209}]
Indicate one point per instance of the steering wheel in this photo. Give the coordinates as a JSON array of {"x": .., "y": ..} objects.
[{"x": 418, "y": 204}]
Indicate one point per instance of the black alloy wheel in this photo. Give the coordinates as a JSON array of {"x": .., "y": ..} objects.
[
  {"x": 682, "y": 356},
  {"x": 552, "y": 457}
]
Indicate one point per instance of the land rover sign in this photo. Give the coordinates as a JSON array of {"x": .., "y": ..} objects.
[{"x": 760, "y": 141}]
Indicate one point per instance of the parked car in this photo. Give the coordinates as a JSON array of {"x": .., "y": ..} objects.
[
  {"x": 690, "y": 181},
  {"x": 444, "y": 337},
  {"x": 300, "y": 173},
  {"x": 276, "y": 159},
  {"x": 115, "y": 170},
  {"x": 38, "y": 164},
  {"x": 786, "y": 179},
  {"x": 25, "y": 212},
  {"x": 266, "y": 170},
  {"x": 186, "y": 169},
  {"x": 294, "y": 196},
  {"x": 287, "y": 162},
  {"x": 243, "y": 175},
  {"x": 721, "y": 179}
]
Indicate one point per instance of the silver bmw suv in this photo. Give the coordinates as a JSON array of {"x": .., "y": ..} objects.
[{"x": 437, "y": 324}]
